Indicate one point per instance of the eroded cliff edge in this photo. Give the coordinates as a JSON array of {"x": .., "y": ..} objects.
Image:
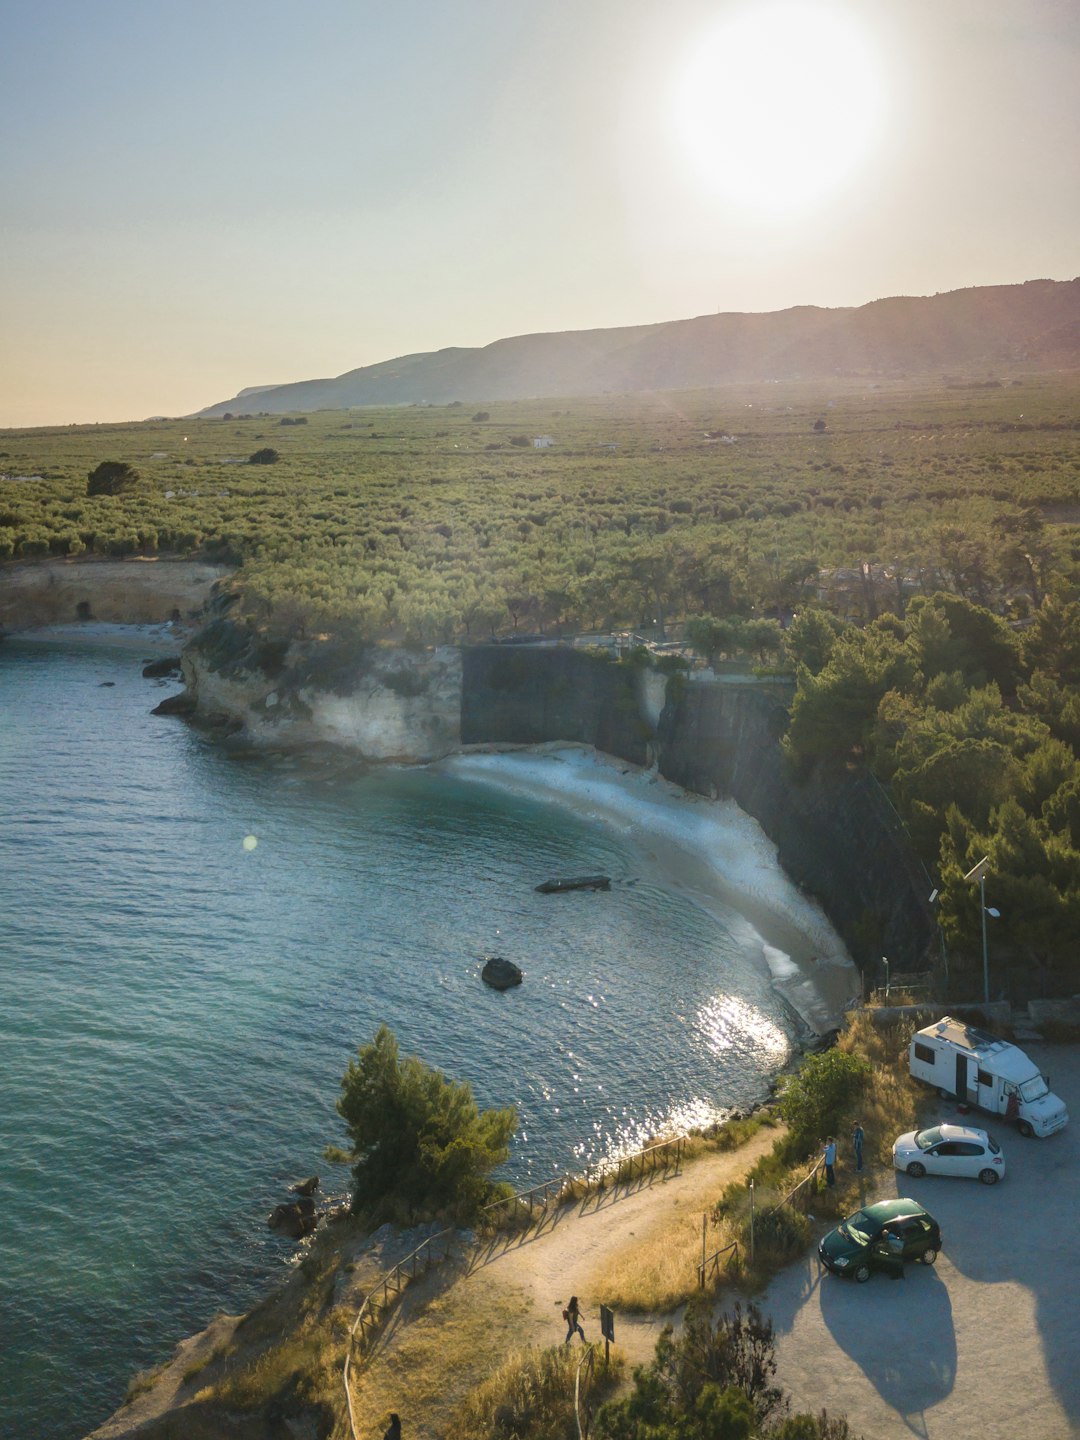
[{"x": 836, "y": 833}]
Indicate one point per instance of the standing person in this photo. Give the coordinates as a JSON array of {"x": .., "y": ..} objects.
[
  {"x": 571, "y": 1316},
  {"x": 393, "y": 1430},
  {"x": 830, "y": 1161},
  {"x": 857, "y": 1138}
]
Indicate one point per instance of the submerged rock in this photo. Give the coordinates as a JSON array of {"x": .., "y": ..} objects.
[
  {"x": 575, "y": 882},
  {"x": 156, "y": 669}
]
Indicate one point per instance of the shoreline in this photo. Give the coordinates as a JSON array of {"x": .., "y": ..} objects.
[
  {"x": 709, "y": 849},
  {"x": 168, "y": 638}
]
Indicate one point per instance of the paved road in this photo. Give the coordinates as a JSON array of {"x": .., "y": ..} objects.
[{"x": 987, "y": 1343}]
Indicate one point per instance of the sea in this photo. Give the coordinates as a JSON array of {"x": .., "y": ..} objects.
[{"x": 196, "y": 939}]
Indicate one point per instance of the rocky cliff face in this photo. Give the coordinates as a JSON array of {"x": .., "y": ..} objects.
[
  {"x": 836, "y": 833},
  {"x": 118, "y": 592},
  {"x": 392, "y": 705},
  {"x": 528, "y": 696}
]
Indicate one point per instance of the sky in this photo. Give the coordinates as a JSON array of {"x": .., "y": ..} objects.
[{"x": 197, "y": 197}]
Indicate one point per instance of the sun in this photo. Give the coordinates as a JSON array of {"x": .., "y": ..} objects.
[{"x": 779, "y": 105}]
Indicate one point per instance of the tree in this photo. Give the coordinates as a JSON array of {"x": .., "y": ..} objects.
[
  {"x": 419, "y": 1142},
  {"x": 112, "y": 477},
  {"x": 812, "y": 1099},
  {"x": 266, "y": 456}
]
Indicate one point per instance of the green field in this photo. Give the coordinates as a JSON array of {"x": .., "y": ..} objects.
[{"x": 424, "y": 524}]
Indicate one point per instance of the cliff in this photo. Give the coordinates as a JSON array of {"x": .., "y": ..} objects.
[
  {"x": 383, "y": 704},
  {"x": 836, "y": 832},
  {"x": 120, "y": 592}
]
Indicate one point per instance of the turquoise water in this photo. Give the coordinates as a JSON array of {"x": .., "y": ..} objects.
[{"x": 176, "y": 1011}]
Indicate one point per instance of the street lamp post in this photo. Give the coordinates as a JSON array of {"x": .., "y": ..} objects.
[
  {"x": 986, "y": 951},
  {"x": 978, "y": 873}
]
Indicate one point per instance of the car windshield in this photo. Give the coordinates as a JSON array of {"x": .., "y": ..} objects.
[
  {"x": 1035, "y": 1088},
  {"x": 860, "y": 1228},
  {"x": 925, "y": 1138}
]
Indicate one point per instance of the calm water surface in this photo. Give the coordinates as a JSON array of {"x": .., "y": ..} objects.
[{"x": 176, "y": 1011}]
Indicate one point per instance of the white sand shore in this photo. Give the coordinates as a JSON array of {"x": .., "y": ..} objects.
[
  {"x": 710, "y": 849},
  {"x": 165, "y": 639}
]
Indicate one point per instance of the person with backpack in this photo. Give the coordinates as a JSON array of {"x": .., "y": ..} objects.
[{"x": 571, "y": 1315}]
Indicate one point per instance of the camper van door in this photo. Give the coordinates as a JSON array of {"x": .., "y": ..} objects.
[{"x": 967, "y": 1079}]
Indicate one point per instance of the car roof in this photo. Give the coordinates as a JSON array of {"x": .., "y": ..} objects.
[
  {"x": 958, "y": 1132},
  {"x": 895, "y": 1210}
]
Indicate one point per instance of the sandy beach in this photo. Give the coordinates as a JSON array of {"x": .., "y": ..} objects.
[
  {"x": 709, "y": 849},
  {"x": 168, "y": 638}
]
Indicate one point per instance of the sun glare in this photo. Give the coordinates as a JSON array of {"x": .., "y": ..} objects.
[{"x": 779, "y": 105}]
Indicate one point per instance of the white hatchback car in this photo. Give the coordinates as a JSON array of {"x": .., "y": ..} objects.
[{"x": 950, "y": 1150}]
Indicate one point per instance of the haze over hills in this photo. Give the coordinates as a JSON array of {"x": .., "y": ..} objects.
[{"x": 1035, "y": 324}]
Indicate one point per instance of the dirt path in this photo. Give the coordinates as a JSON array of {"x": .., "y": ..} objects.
[{"x": 451, "y": 1333}]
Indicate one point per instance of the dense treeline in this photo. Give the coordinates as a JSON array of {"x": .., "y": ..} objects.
[
  {"x": 430, "y": 524},
  {"x": 973, "y": 726},
  {"x": 925, "y": 536}
]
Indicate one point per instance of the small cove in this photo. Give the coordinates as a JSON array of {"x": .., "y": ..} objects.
[{"x": 176, "y": 1011}]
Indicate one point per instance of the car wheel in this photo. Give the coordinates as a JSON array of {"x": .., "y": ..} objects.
[
  {"x": 916, "y": 1170},
  {"x": 1025, "y": 1129},
  {"x": 988, "y": 1177},
  {"x": 928, "y": 1256},
  {"x": 861, "y": 1273}
]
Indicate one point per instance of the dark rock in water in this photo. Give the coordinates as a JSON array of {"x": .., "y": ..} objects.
[
  {"x": 106, "y": 684},
  {"x": 295, "y": 1221},
  {"x": 182, "y": 704},
  {"x": 500, "y": 974},
  {"x": 168, "y": 665},
  {"x": 306, "y": 1187},
  {"x": 577, "y": 882}
]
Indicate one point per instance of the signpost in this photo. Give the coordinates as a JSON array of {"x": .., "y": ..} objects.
[{"x": 607, "y": 1329}]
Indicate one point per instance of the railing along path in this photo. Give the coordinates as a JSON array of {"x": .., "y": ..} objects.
[{"x": 536, "y": 1201}]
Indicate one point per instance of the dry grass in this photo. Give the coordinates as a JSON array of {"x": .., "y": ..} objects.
[
  {"x": 531, "y": 1397},
  {"x": 658, "y": 1272},
  {"x": 443, "y": 1346},
  {"x": 889, "y": 1104}
]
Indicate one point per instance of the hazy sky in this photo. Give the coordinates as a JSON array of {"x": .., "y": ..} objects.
[{"x": 197, "y": 197}]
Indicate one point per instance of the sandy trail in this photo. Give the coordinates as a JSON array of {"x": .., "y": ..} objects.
[{"x": 520, "y": 1287}]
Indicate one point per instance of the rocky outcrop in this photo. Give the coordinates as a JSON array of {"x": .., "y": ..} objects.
[
  {"x": 500, "y": 974},
  {"x": 139, "y": 591},
  {"x": 381, "y": 704}
]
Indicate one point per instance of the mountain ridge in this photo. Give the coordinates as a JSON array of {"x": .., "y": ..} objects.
[{"x": 1036, "y": 321}]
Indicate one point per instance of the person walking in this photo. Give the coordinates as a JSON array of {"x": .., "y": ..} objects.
[
  {"x": 571, "y": 1315},
  {"x": 830, "y": 1161},
  {"x": 857, "y": 1138}
]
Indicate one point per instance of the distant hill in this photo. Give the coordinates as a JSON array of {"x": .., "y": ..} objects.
[{"x": 1034, "y": 323}]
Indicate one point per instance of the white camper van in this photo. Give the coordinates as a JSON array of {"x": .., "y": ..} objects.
[{"x": 981, "y": 1070}]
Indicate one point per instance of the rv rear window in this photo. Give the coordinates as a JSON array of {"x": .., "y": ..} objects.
[{"x": 924, "y": 1053}]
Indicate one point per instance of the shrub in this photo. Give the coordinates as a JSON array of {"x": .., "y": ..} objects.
[
  {"x": 266, "y": 456},
  {"x": 812, "y": 1100},
  {"x": 419, "y": 1142}
]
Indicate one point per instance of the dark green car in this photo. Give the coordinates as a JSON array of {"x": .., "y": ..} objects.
[{"x": 881, "y": 1237}]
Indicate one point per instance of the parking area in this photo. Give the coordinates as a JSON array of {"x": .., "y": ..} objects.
[{"x": 987, "y": 1342}]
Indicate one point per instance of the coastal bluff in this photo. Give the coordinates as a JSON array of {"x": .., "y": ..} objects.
[
  {"x": 836, "y": 833},
  {"x": 145, "y": 590}
]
